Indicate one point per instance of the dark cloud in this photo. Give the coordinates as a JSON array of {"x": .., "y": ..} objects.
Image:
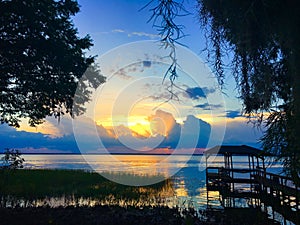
[
  {"x": 122, "y": 73},
  {"x": 125, "y": 73},
  {"x": 240, "y": 132},
  {"x": 197, "y": 92},
  {"x": 160, "y": 96},
  {"x": 233, "y": 114},
  {"x": 161, "y": 92},
  {"x": 147, "y": 63},
  {"x": 207, "y": 106},
  {"x": 188, "y": 131},
  {"x": 11, "y": 138}
]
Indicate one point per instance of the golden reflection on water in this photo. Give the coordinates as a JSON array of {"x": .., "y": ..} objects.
[
  {"x": 213, "y": 198},
  {"x": 181, "y": 190},
  {"x": 148, "y": 164},
  {"x": 136, "y": 164}
]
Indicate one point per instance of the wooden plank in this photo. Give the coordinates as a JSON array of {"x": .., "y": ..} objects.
[
  {"x": 213, "y": 175},
  {"x": 239, "y": 170},
  {"x": 240, "y": 180}
]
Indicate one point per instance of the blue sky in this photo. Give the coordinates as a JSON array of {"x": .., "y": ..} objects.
[{"x": 134, "y": 124}]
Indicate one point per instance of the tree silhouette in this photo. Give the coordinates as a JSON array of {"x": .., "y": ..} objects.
[
  {"x": 42, "y": 61},
  {"x": 264, "y": 38},
  {"x": 12, "y": 159}
]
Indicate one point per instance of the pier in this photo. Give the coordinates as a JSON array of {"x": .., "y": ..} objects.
[{"x": 271, "y": 193}]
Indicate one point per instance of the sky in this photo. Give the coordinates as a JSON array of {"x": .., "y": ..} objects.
[{"x": 132, "y": 111}]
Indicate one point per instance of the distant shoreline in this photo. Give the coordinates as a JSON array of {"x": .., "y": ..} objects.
[{"x": 183, "y": 154}]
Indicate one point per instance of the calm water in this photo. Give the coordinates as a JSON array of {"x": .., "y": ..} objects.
[
  {"x": 188, "y": 175},
  {"x": 140, "y": 164},
  {"x": 188, "y": 172}
]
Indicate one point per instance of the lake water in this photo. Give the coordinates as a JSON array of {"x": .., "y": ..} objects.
[
  {"x": 188, "y": 172},
  {"x": 187, "y": 189}
]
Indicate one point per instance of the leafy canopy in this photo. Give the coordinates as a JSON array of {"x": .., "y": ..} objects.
[
  {"x": 264, "y": 37},
  {"x": 42, "y": 60}
]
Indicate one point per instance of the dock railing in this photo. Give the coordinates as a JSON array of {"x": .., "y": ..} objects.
[
  {"x": 272, "y": 189},
  {"x": 251, "y": 185},
  {"x": 267, "y": 178}
]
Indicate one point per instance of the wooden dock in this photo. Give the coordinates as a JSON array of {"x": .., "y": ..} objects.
[{"x": 262, "y": 189}]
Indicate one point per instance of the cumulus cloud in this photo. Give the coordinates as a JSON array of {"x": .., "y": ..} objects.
[
  {"x": 195, "y": 130},
  {"x": 193, "y": 133},
  {"x": 240, "y": 132},
  {"x": 162, "y": 122},
  {"x": 166, "y": 133}
]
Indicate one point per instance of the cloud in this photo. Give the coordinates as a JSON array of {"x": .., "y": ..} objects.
[
  {"x": 190, "y": 136},
  {"x": 123, "y": 73},
  {"x": 160, "y": 96},
  {"x": 161, "y": 91},
  {"x": 11, "y": 138},
  {"x": 143, "y": 34},
  {"x": 193, "y": 133},
  {"x": 233, "y": 114},
  {"x": 162, "y": 123},
  {"x": 126, "y": 72},
  {"x": 130, "y": 33},
  {"x": 207, "y": 106},
  {"x": 240, "y": 132},
  {"x": 147, "y": 63},
  {"x": 166, "y": 132},
  {"x": 118, "y": 31},
  {"x": 197, "y": 92}
]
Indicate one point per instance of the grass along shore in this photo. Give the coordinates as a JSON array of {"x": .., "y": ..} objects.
[{"x": 75, "y": 187}]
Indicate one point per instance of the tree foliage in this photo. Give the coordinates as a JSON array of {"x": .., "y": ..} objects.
[
  {"x": 42, "y": 61},
  {"x": 164, "y": 16},
  {"x": 12, "y": 159},
  {"x": 264, "y": 38}
]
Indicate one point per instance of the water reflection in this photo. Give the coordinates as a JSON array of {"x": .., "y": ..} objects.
[
  {"x": 189, "y": 181},
  {"x": 181, "y": 191},
  {"x": 89, "y": 193},
  {"x": 139, "y": 164},
  {"x": 187, "y": 188}
]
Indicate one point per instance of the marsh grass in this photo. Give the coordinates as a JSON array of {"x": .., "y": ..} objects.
[{"x": 75, "y": 187}]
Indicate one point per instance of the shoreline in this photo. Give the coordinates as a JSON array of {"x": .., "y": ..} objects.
[{"x": 159, "y": 154}]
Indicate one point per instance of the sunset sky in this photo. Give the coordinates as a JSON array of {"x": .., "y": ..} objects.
[{"x": 132, "y": 111}]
